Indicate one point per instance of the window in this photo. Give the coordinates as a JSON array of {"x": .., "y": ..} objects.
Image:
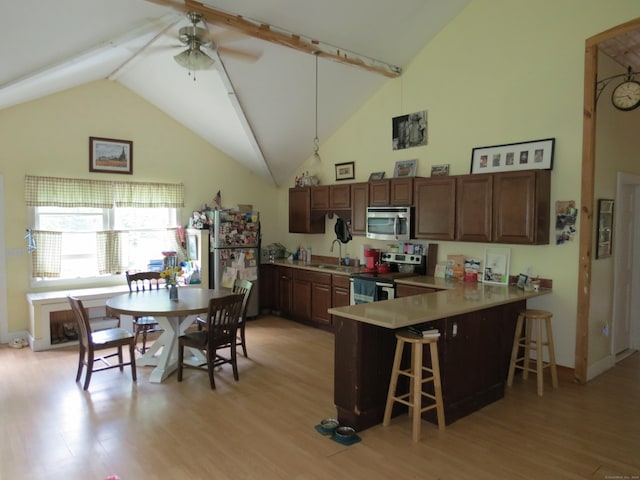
[
  {"x": 91, "y": 228},
  {"x": 144, "y": 235}
]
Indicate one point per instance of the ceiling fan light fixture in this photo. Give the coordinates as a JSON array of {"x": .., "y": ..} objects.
[{"x": 194, "y": 59}]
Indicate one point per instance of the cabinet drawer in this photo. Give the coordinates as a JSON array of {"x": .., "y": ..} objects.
[{"x": 312, "y": 277}]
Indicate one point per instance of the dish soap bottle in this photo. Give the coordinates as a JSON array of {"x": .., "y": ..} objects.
[{"x": 347, "y": 260}]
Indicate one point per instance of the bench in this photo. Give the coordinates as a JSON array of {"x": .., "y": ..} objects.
[{"x": 49, "y": 312}]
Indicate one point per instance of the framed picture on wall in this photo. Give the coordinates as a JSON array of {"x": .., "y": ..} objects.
[
  {"x": 108, "y": 155},
  {"x": 536, "y": 154},
  {"x": 345, "y": 171}
]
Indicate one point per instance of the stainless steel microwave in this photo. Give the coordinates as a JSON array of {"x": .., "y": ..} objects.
[{"x": 389, "y": 223}]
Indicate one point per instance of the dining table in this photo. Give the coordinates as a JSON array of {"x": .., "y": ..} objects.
[{"x": 173, "y": 316}]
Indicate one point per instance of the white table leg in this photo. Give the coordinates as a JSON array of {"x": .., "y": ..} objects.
[{"x": 167, "y": 362}]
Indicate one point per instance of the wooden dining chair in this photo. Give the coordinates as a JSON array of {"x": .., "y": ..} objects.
[
  {"x": 223, "y": 316},
  {"x": 242, "y": 287},
  {"x": 139, "y": 282},
  {"x": 91, "y": 342}
]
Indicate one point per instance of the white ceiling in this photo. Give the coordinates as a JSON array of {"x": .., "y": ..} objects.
[{"x": 262, "y": 114}]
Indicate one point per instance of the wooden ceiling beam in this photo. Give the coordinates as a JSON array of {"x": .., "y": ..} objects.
[{"x": 281, "y": 37}]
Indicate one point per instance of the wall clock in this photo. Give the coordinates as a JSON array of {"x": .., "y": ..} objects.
[{"x": 626, "y": 96}]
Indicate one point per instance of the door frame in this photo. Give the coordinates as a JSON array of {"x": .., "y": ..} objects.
[
  {"x": 4, "y": 318},
  {"x": 587, "y": 193}
]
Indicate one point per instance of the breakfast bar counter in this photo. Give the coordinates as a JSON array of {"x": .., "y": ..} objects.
[{"x": 476, "y": 322}]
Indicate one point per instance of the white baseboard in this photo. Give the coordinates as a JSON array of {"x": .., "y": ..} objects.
[{"x": 600, "y": 367}]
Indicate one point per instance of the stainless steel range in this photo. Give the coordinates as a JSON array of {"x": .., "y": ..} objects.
[{"x": 380, "y": 285}]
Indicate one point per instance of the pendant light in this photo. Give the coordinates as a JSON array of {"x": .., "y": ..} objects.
[{"x": 316, "y": 141}]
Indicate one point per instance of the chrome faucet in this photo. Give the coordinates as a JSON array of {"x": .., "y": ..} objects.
[{"x": 339, "y": 250}]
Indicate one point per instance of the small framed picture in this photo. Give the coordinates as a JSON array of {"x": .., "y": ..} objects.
[
  {"x": 440, "y": 170},
  {"x": 108, "y": 155},
  {"x": 376, "y": 176},
  {"x": 345, "y": 171},
  {"x": 522, "y": 280},
  {"x": 496, "y": 266},
  {"x": 405, "y": 168}
]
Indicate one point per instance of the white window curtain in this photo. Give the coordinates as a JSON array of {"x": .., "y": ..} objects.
[
  {"x": 113, "y": 254},
  {"x": 46, "y": 258}
]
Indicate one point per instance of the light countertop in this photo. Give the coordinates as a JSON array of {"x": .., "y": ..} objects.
[{"x": 455, "y": 298}]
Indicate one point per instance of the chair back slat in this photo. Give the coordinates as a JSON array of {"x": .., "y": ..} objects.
[
  {"x": 141, "y": 281},
  {"x": 223, "y": 317},
  {"x": 243, "y": 287},
  {"x": 83, "y": 320}
]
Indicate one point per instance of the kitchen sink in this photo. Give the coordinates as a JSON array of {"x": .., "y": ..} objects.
[{"x": 323, "y": 266}]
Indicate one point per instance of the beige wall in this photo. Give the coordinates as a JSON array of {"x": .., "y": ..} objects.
[
  {"x": 51, "y": 137},
  {"x": 503, "y": 71}
]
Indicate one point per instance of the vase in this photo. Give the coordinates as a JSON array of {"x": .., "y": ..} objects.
[{"x": 173, "y": 293}]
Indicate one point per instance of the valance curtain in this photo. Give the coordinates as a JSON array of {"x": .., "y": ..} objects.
[{"x": 74, "y": 192}]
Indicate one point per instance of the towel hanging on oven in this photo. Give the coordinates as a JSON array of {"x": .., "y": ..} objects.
[{"x": 364, "y": 290}]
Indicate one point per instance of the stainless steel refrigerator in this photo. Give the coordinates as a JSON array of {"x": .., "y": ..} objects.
[{"x": 236, "y": 252}]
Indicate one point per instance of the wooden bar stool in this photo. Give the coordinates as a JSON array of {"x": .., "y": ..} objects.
[
  {"x": 415, "y": 372},
  {"x": 531, "y": 317}
]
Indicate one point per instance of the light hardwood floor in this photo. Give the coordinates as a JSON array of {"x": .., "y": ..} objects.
[{"x": 262, "y": 426}]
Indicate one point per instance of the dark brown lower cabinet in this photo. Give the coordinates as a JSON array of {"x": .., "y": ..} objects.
[{"x": 474, "y": 350}]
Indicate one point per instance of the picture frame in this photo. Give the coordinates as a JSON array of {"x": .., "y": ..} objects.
[
  {"x": 345, "y": 171},
  {"x": 376, "y": 176},
  {"x": 192, "y": 247},
  {"x": 109, "y": 155},
  {"x": 440, "y": 170},
  {"x": 536, "y": 154},
  {"x": 522, "y": 281},
  {"x": 496, "y": 266},
  {"x": 409, "y": 130},
  {"x": 405, "y": 168},
  {"x": 604, "y": 246}
]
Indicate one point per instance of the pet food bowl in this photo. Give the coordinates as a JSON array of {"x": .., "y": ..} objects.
[{"x": 328, "y": 426}]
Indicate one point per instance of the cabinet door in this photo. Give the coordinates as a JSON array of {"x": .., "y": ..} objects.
[
  {"x": 284, "y": 290},
  {"x": 301, "y": 299},
  {"x": 301, "y": 219},
  {"x": 359, "y": 203},
  {"x": 401, "y": 191},
  {"x": 379, "y": 193},
  {"x": 320, "y": 303},
  {"x": 340, "y": 197},
  {"x": 341, "y": 294},
  {"x": 435, "y": 201},
  {"x": 267, "y": 291},
  {"x": 473, "y": 207},
  {"x": 319, "y": 197},
  {"x": 521, "y": 207}
]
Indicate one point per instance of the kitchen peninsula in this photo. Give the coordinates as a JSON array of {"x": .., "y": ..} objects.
[{"x": 476, "y": 323}]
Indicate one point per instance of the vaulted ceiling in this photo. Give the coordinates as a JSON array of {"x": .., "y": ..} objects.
[{"x": 261, "y": 113}]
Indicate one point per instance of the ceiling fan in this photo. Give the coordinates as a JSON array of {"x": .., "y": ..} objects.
[{"x": 195, "y": 38}]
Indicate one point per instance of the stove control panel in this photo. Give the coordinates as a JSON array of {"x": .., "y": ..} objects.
[{"x": 390, "y": 257}]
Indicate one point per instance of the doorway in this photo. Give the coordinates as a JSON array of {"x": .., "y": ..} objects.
[
  {"x": 625, "y": 319},
  {"x": 587, "y": 193}
]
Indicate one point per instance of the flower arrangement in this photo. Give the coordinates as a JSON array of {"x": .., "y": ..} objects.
[{"x": 170, "y": 275}]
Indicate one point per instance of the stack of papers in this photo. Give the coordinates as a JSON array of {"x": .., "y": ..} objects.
[{"x": 424, "y": 331}]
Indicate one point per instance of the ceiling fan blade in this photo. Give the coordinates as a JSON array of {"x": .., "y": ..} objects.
[
  {"x": 225, "y": 36},
  {"x": 241, "y": 55}
]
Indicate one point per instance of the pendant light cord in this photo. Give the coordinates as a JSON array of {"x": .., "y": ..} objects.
[{"x": 316, "y": 96}]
